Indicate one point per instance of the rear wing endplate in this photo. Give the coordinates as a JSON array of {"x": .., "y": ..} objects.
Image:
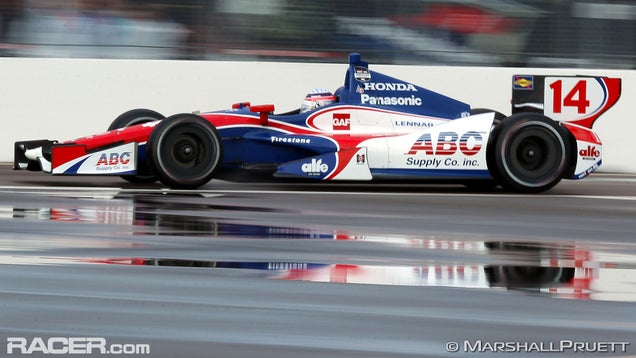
[{"x": 576, "y": 99}]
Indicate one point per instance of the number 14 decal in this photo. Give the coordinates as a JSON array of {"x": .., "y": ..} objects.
[
  {"x": 573, "y": 98},
  {"x": 579, "y": 99},
  {"x": 576, "y": 97}
]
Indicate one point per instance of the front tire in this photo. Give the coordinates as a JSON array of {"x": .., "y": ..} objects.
[
  {"x": 134, "y": 117},
  {"x": 131, "y": 118},
  {"x": 530, "y": 153},
  {"x": 184, "y": 150}
]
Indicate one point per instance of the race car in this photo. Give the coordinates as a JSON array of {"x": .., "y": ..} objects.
[{"x": 373, "y": 128}]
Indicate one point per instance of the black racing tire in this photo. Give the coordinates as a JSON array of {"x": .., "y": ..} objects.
[
  {"x": 528, "y": 277},
  {"x": 131, "y": 118},
  {"x": 498, "y": 115},
  {"x": 135, "y": 116},
  {"x": 529, "y": 153},
  {"x": 184, "y": 151}
]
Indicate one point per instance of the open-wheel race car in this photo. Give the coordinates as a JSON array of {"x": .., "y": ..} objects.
[{"x": 375, "y": 127}]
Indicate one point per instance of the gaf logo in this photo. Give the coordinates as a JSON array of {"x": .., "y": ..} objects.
[
  {"x": 316, "y": 167},
  {"x": 341, "y": 121},
  {"x": 404, "y": 87},
  {"x": 590, "y": 152},
  {"x": 114, "y": 159},
  {"x": 470, "y": 143}
]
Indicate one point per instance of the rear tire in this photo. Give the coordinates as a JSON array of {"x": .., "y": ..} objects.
[
  {"x": 131, "y": 118},
  {"x": 498, "y": 115},
  {"x": 184, "y": 150},
  {"x": 530, "y": 153}
]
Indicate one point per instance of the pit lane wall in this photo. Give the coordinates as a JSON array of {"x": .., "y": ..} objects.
[{"x": 68, "y": 98}]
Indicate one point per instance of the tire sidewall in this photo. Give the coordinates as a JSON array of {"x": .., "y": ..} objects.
[
  {"x": 135, "y": 116},
  {"x": 160, "y": 146},
  {"x": 512, "y": 131}
]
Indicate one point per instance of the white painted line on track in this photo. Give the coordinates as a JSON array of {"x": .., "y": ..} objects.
[
  {"x": 76, "y": 192},
  {"x": 606, "y": 197},
  {"x": 58, "y": 188},
  {"x": 493, "y": 195},
  {"x": 610, "y": 179},
  {"x": 109, "y": 193}
]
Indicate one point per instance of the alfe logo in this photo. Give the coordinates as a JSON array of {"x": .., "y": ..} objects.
[
  {"x": 470, "y": 143},
  {"x": 114, "y": 159},
  {"x": 590, "y": 152},
  {"x": 341, "y": 121},
  {"x": 316, "y": 167}
]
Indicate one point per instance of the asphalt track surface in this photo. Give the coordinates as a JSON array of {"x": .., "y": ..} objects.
[{"x": 316, "y": 270}]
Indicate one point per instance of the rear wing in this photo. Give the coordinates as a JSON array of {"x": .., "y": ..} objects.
[{"x": 576, "y": 99}]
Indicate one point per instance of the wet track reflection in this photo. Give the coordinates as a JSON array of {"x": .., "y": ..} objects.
[
  {"x": 244, "y": 270},
  {"x": 575, "y": 270}
]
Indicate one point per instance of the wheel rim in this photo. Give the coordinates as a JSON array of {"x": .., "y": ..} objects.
[
  {"x": 185, "y": 151},
  {"x": 531, "y": 153},
  {"x": 191, "y": 156}
]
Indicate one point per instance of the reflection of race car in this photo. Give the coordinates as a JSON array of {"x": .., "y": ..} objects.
[
  {"x": 561, "y": 272},
  {"x": 563, "y": 269},
  {"x": 377, "y": 127}
]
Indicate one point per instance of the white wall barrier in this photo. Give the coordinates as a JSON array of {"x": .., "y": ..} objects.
[{"x": 69, "y": 98}]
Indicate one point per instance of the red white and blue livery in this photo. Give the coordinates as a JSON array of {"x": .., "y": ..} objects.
[{"x": 375, "y": 127}]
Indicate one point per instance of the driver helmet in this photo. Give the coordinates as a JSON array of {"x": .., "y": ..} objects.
[{"x": 318, "y": 97}]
